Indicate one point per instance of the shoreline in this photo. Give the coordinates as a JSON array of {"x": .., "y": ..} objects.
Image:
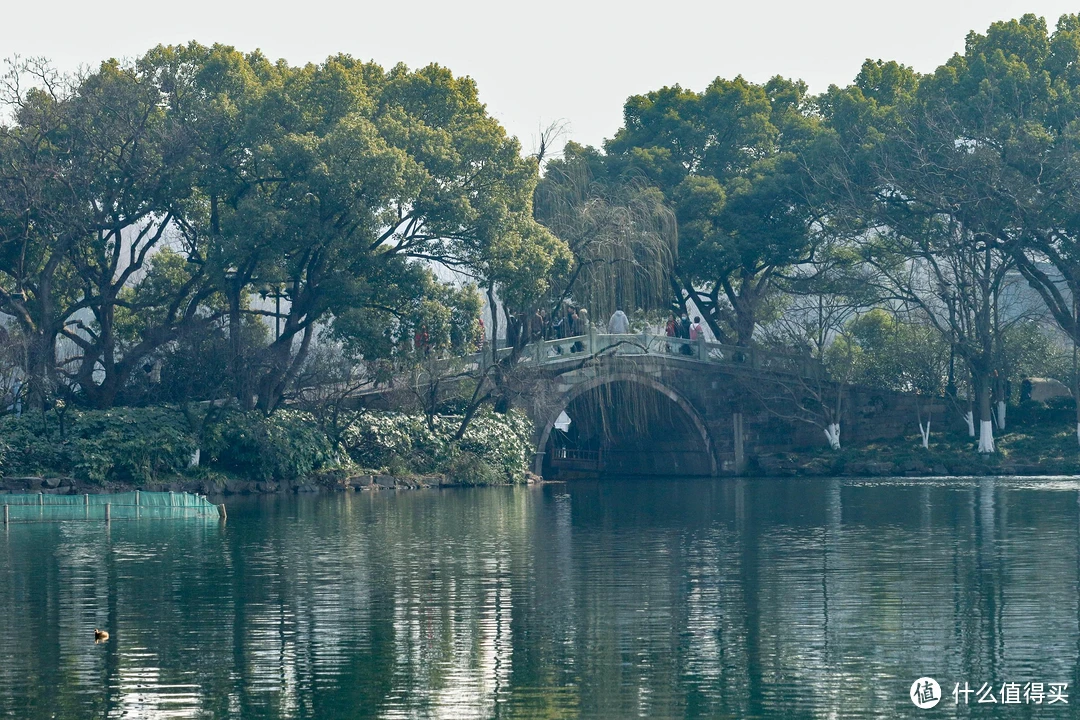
[
  {"x": 326, "y": 483},
  {"x": 381, "y": 482}
]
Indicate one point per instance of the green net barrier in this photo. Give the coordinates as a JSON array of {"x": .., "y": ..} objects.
[{"x": 115, "y": 506}]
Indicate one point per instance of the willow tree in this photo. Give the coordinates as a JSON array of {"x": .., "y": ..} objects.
[
  {"x": 619, "y": 230},
  {"x": 727, "y": 161}
]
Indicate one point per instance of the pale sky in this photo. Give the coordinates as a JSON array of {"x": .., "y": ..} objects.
[{"x": 572, "y": 60}]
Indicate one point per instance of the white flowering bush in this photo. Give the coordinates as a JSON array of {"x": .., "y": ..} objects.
[
  {"x": 494, "y": 448},
  {"x": 501, "y": 440}
]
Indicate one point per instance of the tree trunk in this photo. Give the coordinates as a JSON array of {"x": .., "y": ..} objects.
[
  {"x": 236, "y": 345},
  {"x": 494, "y": 308},
  {"x": 832, "y": 432},
  {"x": 278, "y": 355},
  {"x": 745, "y": 322},
  {"x": 1076, "y": 394},
  {"x": 40, "y": 366},
  {"x": 924, "y": 430},
  {"x": 986, "y": 425}
]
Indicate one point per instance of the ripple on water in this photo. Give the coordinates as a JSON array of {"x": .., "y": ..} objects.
[{"x": 640, "y": 599}]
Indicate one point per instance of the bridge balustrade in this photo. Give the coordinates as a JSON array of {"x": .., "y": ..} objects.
[{"x": 563, "y": 349}]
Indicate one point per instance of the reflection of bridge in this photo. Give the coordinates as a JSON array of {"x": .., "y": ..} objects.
[{"x": 706, "y": 406}]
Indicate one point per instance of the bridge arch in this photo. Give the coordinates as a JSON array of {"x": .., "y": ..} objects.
[{"x": 641, "y": 379}]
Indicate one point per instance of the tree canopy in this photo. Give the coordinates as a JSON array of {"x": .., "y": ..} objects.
[{"x": 180, "y": 188}]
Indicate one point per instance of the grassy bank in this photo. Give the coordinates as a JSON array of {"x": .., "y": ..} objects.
[{"x": 1037, "y": 450}]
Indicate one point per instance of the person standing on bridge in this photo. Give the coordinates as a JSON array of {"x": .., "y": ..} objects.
[
  {"x": 696, "y": 331},
  {"x": 619, "y": 324},
  {"x": 684, "y": 332},
  {"x": 580, "y": 327},
  {"x": 670, "y": 330},
  {"x": 536, "y": 329}
]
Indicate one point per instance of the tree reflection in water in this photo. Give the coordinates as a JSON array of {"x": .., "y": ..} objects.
[{"x": 743, "y": 598}]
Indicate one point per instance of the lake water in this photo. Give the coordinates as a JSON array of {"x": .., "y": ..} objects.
[{"x": 712, "y": 599}]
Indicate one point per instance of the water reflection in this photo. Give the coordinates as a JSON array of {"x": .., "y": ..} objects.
[{"x": 800, "y": 598}]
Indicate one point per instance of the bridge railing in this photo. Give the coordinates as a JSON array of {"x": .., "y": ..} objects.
[
  {"x": 594, "y": 343},
  {"x": 553, "y": 351}
]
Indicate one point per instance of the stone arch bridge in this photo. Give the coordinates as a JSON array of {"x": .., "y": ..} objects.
[{"x": 655, "y": 405}]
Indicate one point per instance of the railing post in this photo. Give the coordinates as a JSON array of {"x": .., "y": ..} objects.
[{"x": 6, "y": 518}]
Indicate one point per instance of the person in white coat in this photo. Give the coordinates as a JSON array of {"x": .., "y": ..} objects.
[{"x": 619, "y": 324}]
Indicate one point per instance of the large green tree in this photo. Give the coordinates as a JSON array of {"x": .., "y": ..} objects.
[
  {"x": 728, "y": 160},
  {"x": 919, "y": 175},
  {"x": 324, "y": 182},
  {"x": 144, "y": 198},
  {"x": 93, "y": 179}
]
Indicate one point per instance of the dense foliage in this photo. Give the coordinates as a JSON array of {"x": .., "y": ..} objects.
[
  {"x": 283, "y": 446},
  {"x": 150, "y": 207},
  {"x": 125, "y": 445},
  {"x": 139, "y": 446}
]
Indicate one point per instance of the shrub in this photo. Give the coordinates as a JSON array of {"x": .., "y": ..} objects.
[
  {"x": 283, "y": 446},
  {"x": 500, "y": 443},
  {"x": 4, "y": 450},
  {"x": 128, "y": 445},
  {"x": 501, "y": 440},
  {"x": 377, "y": 439},
  {"x": 470, "y": 469}
]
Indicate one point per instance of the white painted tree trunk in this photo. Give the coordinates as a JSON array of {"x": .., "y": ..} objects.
[
  {"x": 924, "y": 430},
  {"x": 969, "y": 418},
  {"x": 986, "y": 436},
  {"x": 832, "y": 432},
  {"x": 1001, "y": 414}
]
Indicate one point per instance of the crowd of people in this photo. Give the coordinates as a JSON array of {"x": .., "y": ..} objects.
[
  {"x": 573, "y": 321},
  {"x": 681, "y": 327},
  {"x": 569, "y": 321}
]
